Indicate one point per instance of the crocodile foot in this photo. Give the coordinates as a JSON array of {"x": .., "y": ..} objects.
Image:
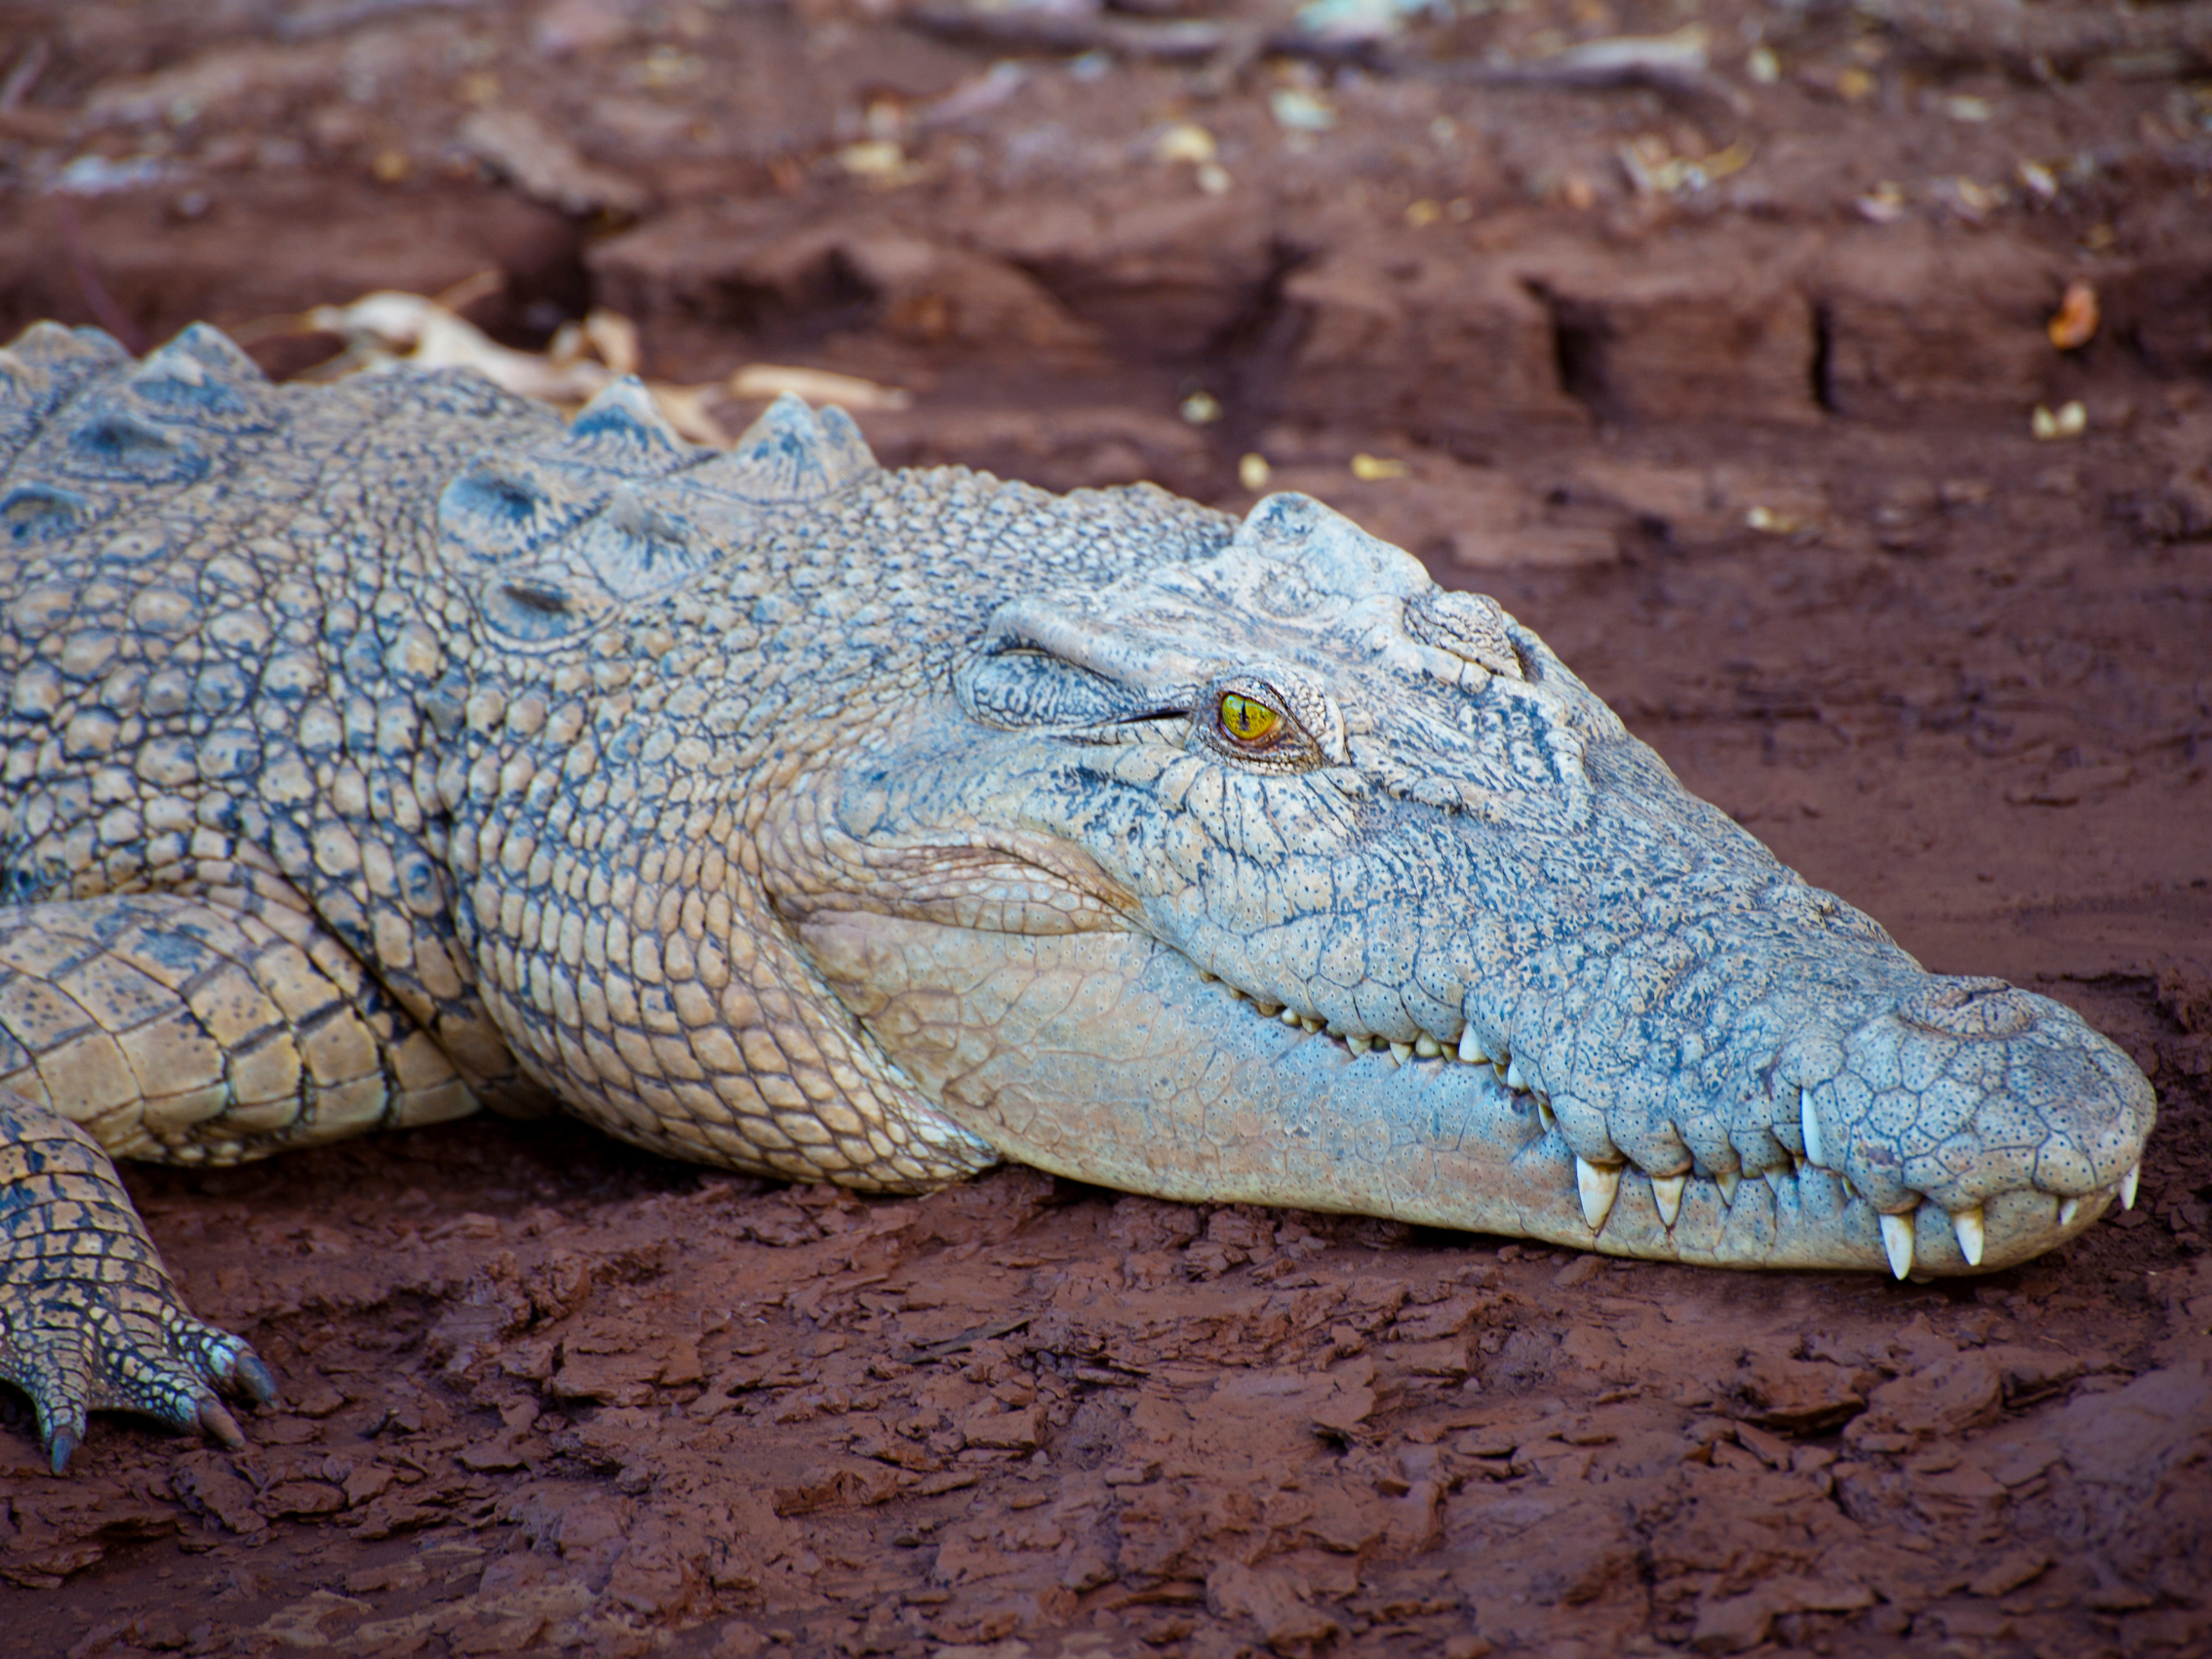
[{"x": 88, "y": 1317}]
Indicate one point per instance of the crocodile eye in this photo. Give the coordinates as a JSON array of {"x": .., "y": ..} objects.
[
  {"x": 1248, "y": 719},
  {"x": 1262, "y": 723}
]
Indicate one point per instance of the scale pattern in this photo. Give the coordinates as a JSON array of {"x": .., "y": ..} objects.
[{"x": 377, "y": 752}]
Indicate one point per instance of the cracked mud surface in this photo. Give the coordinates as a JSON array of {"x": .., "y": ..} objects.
[{"x": 1754, "y": 455}]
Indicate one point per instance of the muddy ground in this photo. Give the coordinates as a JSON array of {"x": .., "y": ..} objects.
[{"x": 1725, "y": 381}]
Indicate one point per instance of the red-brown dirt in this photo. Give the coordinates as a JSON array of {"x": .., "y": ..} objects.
[{"x": 1724, "y": 384}]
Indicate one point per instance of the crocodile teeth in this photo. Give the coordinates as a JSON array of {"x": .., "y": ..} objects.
[
  {"x": 1968, "y": 1223},
  {"x": 1545, "y": 1115},
  {"x": 1729, "y": 1179},
  {"x": 1309, "y": 1025},
  {"x": 2068, "y": 1209},
  {"x": 1667, "y": 1193},
  {"x": 1514, "y": 1078},
  {"x": 1471, "y": 1047},
  {"x": 1808, "y": 1121},
  {"x": 1358, "y": 1044},
  {"x": 1289, "y": 1017},
  {"x": 2127, "y": 1184},
  {"x": 1402, "y": 1051},
  {"x": 1427, "y": 1047},
  {"x": 1599, "y": 1188},
  {"x": 1896, "y": 1242}
]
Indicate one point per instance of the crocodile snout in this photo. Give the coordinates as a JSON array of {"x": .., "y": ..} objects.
[{"x": 1970, "y": 1098}]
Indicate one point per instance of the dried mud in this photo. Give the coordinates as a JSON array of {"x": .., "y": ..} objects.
[{"x": 1750, "y": 446}]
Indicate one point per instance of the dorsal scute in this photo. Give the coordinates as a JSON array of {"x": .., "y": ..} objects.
[
  {"x": 202, "y": 379},
  {"x": 791, "y": 453},
  {"x": 623, "y": 429},
  {"x": 113, "y": 444},
  {"x": 41, "y": 369},
  {"x": 37, "y": 511},
  {"x": 501, "y": 507}
]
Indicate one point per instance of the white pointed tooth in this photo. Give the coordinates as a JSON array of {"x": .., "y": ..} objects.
[
  {"x": 1204, "y": 978},
  {"x": 1798, "y": 1165},
  {"x": 2068, "y": 1209},
  {"x": 1309, "y": 1024},
  {"x": 1515, "y": 1078},
  {"x": 1471, "y": 1047},
  {"x": 1808, "y": 1121},
  {"x": 1545, "y": 1115},
  {"x": 1358, "y": 1044},
  {"x": 1849, "y": 1191},
  {"x": 1968, "y": 1223},
  {"x": 1402, "y": 1051},
  {"x": 1728, "y": 1180},
  {"x": 1427, "y": 1047},
  {"x": 1267, "y": 1011},
  {"x": 1290, "y": 1017},
  {"x": 2127, "y": 1185},
  {"x": 1667, "y": 1193},
  {"x": 1599, "y": 1188},
  {"x": 1896, "y": 1242}
]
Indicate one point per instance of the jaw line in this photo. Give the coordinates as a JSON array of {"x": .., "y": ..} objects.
[{"x": 1109, "y": 1058}]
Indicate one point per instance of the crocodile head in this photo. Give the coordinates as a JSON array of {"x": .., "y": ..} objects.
[{"x": 1285, "y": 876}]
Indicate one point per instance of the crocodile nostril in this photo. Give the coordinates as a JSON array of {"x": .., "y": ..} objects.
[{"x": 1986, "y": 1009}]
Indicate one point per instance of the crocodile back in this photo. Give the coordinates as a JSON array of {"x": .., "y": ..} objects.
[{"x": 220, "y": 607}]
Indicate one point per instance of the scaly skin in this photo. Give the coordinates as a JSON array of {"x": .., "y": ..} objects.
[{"x": 374, "y": 752}]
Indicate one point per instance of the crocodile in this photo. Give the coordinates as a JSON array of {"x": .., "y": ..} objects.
[{"x": 380, "y": 751}]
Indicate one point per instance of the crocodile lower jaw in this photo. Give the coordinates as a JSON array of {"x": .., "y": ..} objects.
[{"x": 1905, "y": 1237}]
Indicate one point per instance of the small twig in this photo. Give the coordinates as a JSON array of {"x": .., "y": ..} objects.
[
  {"x": 105, "y": 312},
  {"x": 1665, "y": 63},
  {"x": 1668, "y": 65},
  {"x": 1179, "y": 41},
  {"x": 22, "y": 77}
]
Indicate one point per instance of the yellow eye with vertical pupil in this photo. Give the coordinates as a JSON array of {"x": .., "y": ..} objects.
[{"x": 1246, "y": 718}]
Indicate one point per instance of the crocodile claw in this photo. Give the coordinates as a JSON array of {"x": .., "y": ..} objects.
[
  {"x": 90, "y": 1320},
  {"x": 167, "y": 1368},
  {"x": 254, "y": 1377},
  {"x": 216, "y": 1420}
]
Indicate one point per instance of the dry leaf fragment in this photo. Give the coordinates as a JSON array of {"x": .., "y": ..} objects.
[
  {"x": 384, "y": 331},
  {"x": 2067, "y": 420},
  {"x": 686, "y": 408},
  {"x": 880, "y": 162},
  {"x": 816, "y": 386},
  {"x": 2075, "y": 323},
  {"x": 1885, "y": 204},
  {"x": 1185, "y": 141}
]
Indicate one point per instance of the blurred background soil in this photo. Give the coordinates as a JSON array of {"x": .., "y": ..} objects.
[{"x": 1830, "y": 384}]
